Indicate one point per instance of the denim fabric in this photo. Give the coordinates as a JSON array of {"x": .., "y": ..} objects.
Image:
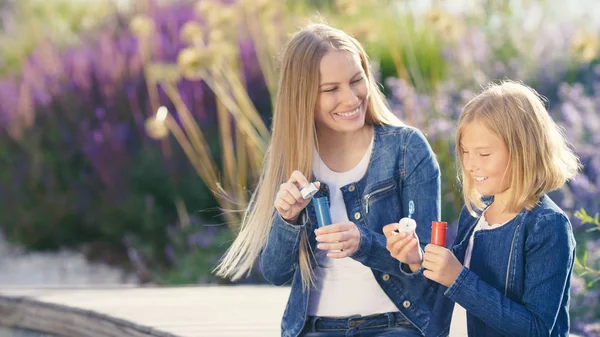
[
  {"x": 382, "y": 325},
  {"x": 402, "y": 168},
  {"x": 519, "y": 278}
]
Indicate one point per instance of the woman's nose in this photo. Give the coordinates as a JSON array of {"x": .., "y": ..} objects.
[{"x": 350, "y": 98}]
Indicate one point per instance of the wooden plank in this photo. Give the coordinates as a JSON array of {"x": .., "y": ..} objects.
[{"x": 193, "y": 311}]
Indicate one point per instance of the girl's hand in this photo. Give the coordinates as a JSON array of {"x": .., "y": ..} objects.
[
  {"x": 403, "y": 246},
  {"x": 288, "y": 201},
  {"x": 441, "y": 265},
  {"x": 343, "y": 237}
]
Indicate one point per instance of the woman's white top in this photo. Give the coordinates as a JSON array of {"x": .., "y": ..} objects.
[{"x": 344, "y": 287}]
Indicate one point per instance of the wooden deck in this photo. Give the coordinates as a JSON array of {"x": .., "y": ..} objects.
[{"x": 196, "y": 311}]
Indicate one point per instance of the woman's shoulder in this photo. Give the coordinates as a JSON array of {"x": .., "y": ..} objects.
[
  {"x": 401, "y": 134},
  {"x": 398, "y": 129}
]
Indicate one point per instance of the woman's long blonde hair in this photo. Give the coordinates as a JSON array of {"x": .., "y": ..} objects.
[
  {"x": 540, "y": 157},
  {"x": 293, "y": 140}
]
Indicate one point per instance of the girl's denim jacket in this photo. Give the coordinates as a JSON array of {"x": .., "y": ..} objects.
[
  {"x": 402, "y": 167},
  {"x": 519, "y": 278}
]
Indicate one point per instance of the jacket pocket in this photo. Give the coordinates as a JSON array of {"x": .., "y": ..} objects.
[{"x": 379, "y": 191}]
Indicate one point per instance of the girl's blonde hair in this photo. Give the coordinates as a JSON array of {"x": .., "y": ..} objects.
[
  {"x": 293, "y": 140},
  {"x": 540, "y": 157}
]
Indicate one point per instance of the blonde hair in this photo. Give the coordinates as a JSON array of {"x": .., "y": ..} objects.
[
  {"x": 293, "y": 140},
  {"x": 540, "y": 157}
]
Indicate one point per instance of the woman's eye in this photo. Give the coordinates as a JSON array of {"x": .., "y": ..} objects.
[
  {"x": 484, "y": 154},
  {"x": 357, "y": 80},
  {"x": 330, "y": 90}
]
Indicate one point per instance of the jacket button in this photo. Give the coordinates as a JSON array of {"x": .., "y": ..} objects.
[
  {"x": 357, "y": 215},
  {"x": 352, "y": 324},
  {"x": 351, "y": 188},
  {"x": 406, "y": 304},
  {"x": 386, "y": 277}
]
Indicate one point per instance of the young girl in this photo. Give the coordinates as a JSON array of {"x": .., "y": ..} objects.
[
  {"x": 331, "y": 124},
  {"x": 508, "y": 273}
]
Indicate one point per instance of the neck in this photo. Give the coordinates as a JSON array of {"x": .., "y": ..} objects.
[
  {"x": 498, "y": 211},
  {"x": 341, "y": 151}
]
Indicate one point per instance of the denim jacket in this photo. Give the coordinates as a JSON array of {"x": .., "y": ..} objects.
[
  {"x": 519, "y": 278},
  {"x": 402, "y": 167}
]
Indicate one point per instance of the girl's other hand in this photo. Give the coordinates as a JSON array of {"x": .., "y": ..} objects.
[{"x": 403, "y": 246}]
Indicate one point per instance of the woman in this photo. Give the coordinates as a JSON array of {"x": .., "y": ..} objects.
[{"x": 331, "y": 125}]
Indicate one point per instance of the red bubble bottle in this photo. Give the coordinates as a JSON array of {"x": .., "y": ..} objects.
[{"x": 438, "y": 233}]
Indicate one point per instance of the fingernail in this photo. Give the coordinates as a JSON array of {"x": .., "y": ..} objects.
[{"x": 320, "y": 246}]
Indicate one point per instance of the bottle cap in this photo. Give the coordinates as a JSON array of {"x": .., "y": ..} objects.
[
  {"x": 439, "y": 225},
  {"x": 308, "y": 191}
]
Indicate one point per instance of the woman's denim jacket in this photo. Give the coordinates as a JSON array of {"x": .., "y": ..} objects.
[
  {"x": 519, "y": 278},
  {"x": 402, "y": 167}
]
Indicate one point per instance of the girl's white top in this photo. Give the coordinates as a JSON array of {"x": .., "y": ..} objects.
[
  {"x": 344, "y": 287},
  {"x": 458, "y": 325}
]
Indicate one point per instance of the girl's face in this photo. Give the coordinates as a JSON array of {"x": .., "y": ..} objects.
[
  {"x": 343, "y": 93},
  {"x": 485, "y": 159}
]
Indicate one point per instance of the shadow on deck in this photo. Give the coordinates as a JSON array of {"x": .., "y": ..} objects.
[{"x": 145, "y": 311}]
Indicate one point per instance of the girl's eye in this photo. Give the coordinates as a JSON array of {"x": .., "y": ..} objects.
[
  {"x": 330, "y": 90},
  {"x": 484, "y": 154},
  {"x": 357, "y": 80}
]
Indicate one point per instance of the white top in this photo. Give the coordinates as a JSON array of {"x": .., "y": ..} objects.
[
  {"x": 458, "y": 326},
  {"x": 344, "y": 287}
]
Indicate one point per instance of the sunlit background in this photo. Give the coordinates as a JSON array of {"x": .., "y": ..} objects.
[{"x": 132, "y": 132}]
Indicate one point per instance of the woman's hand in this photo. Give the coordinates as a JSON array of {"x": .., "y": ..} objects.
[
  {"x": 441, "y": 265},
  {"x": 343, "y": 238},
  {"x": 288, "y": 201},
  {"x": 403, "y": 246}
]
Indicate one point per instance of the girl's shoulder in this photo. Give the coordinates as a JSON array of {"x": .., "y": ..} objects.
[
  {"x": 547, "y": 210},
  {"x": 546, "y": 223}
]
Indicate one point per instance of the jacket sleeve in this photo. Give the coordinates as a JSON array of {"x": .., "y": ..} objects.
[
  {"x": 420, "y": 183},
  {"x": 279, "y": 257},
  {"x": 550, "y": 239}
]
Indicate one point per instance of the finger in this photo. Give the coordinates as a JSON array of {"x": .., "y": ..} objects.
[
  {"x": 299, "y": 178},
  {"x": 294, "y": 192},
  {"x": 429, "y": 265},
  {"x": 339, "y": 255},
  {"x": 431, "y": 257},
  {"x": 281, "y": 205},
  {"x": 333, "y": 237},
  {"x": 396, "y": 247},
  {"x": 404, "y": 250},
  {"x": 287, "y": 197},
  {"x": 335, "y": 228},
  {"x": 392, "y": 241},
  {"x": 332, "y": 246},
  {"x": 433, "y": 249},
  {"x": 403, "y": 241},
  {"x": 428, "y": 274},
  {"x": 388, "y": 229},
  {"x": 410, "y": 246}
]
